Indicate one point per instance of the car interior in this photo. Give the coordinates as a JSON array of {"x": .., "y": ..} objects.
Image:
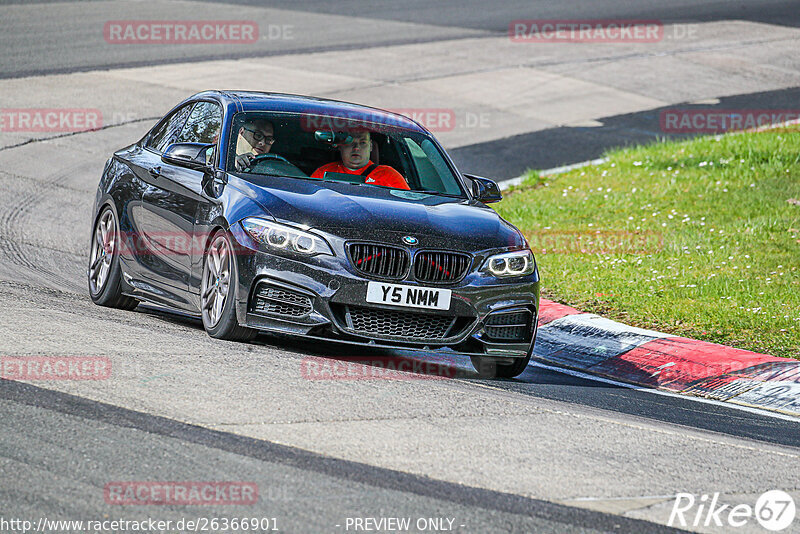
[{"x": 299, "y": 150}]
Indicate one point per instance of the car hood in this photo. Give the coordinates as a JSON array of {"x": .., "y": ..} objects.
[{"x": 381, "y": 214}]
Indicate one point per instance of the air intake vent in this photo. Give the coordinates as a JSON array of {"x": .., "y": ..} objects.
[
  {"x": 508, "y": 326},
  {"x": 277, "y": 301},
  {"x": 400, "y": 324}
]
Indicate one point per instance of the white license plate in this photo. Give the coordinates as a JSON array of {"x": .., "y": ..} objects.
[{"x": 411, "y": 296}]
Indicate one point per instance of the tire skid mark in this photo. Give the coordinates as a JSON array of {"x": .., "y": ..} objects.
[{"x": 14, "y": 220}]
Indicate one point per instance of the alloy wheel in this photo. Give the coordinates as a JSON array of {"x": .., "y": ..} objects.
[
  {"x": 104, "y": 245},
  {"x": 216, "y": 280}
]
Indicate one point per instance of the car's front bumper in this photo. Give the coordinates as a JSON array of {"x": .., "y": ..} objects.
[{"x": 328, "y": 289}]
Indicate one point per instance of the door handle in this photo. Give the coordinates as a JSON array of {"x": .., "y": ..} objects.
[{"x": 155, "y": 172}]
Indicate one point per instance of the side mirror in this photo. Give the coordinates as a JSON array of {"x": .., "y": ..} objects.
[
  {"x": 214, "y": 182},
  {"x": 197, "y": 156},
  {"x": 484, "y": 189}
]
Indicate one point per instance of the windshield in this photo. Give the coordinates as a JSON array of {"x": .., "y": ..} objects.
[{"x": 336, "y": 149}]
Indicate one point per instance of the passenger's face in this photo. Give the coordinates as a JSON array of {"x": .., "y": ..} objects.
[
  {"x": 356, "y": 154},
  {"x": 260, "y": 136}
]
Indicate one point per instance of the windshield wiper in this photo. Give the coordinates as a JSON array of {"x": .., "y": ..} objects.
[{"x": 437, "y": 193}]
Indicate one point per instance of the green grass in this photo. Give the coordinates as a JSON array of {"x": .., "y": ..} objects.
[{"x": 696, "y": 238}]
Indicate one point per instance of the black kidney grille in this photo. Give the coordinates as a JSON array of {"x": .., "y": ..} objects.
[
  {"x": 401, "y": 324},
  {"x": 432, "y": 266},
  {"x": 512, "y": 326},
  {"x": 277, "y": 301},
  {"x": 379, "y": 260}
]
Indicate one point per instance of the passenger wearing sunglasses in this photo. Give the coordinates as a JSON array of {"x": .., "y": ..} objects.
[{"x": 255, "y": 138}]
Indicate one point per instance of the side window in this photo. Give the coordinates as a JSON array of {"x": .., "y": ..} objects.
[
  {"x": 167, "y": 133},
  {"x": 203, "y": 124}
]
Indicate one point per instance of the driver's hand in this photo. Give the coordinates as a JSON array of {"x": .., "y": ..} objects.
[{"x": 243, "y": 161}]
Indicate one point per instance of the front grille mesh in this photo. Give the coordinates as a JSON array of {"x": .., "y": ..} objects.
[
  {"x": 276, "y": 301},
  {"x": 401, "y": 324},
  {"x": 508, "y": 326},
  {"x": 379, "y": 260},
  {"x": 432, "y": 266}
]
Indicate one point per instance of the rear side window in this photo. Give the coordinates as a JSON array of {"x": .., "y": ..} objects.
[
  {"x": 170, "y": 129},
  {"x": 203, "y": 124}
]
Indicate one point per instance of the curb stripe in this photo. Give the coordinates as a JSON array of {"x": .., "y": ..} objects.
[
  {"x": 585, "y": 340},
  {"x": 676, "y": 363},
  {"x": 599, "y": 346},
  {"x": 550, "y": 311}
]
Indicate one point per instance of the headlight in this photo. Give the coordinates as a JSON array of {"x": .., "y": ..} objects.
[
  {"x": 280, "y": 237},
  {"x": 508, "y": 264}
]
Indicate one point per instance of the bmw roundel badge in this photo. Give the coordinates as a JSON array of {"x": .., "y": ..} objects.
[{"x": 409, "y": 240}]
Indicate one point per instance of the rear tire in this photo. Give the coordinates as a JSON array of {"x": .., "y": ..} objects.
[
  {"x": 218, "y": 292},
  {"x": 104, "y": 273}
]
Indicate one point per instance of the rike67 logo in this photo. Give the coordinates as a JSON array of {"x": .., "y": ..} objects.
[{"x": 774, "y": 510}]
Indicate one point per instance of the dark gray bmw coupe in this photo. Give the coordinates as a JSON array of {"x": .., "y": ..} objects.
[{"x": 312, "y": 217}]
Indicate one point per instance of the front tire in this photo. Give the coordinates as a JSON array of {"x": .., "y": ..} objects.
[
  {"x": 488, "y": 367},
  {"x": 218, "y": 292},
  {"x": 104, "y": 273}
]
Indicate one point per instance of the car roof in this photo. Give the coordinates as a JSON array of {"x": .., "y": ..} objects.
[{"x": 289, "y": 103}]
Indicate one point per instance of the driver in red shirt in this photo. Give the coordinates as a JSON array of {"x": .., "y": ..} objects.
[{"x": 355, "y": 160}]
